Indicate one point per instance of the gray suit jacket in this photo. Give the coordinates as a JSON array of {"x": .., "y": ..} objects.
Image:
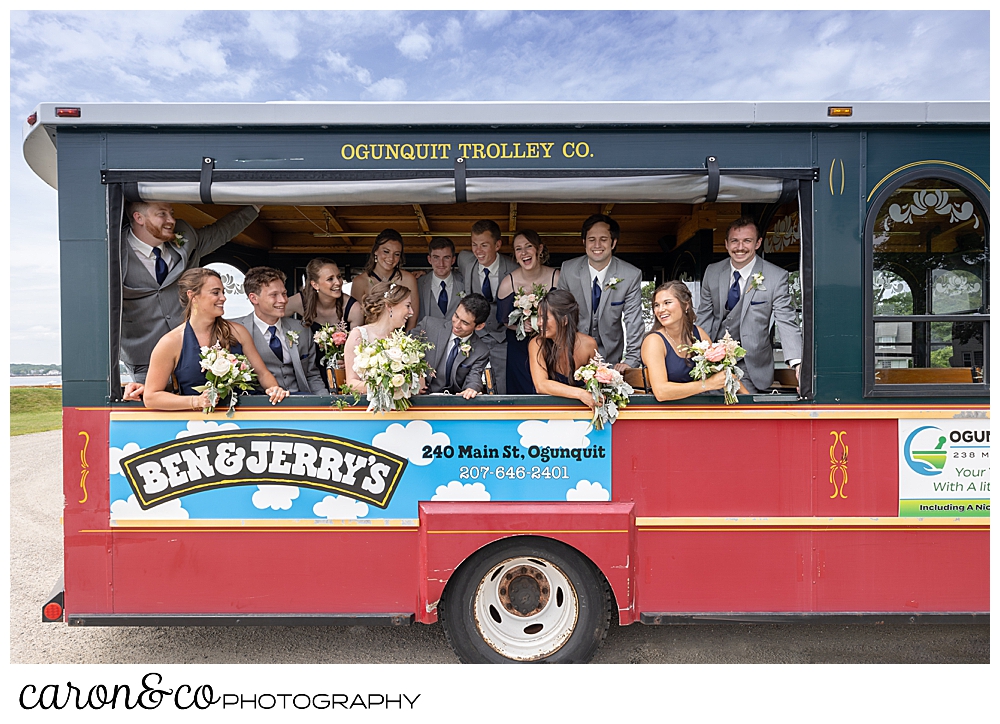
[
  {"x": 428, "y": 288},
  {"x": 468, "y": 265},
  {"x": 307, "y": 374},
  {"x": 751, "y": 318},
  {"x": 623, "y": 302},
  {"x": 467, "y": 371},
  {"x": 149, "y": 310}
]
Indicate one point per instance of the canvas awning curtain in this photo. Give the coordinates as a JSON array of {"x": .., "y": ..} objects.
[{"x": 687, "y": 188}]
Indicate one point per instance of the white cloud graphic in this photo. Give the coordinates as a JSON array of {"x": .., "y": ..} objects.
[
  {"x": 130, "y": 510},
  {"x": 340, "y": 507},
  {"x": 554, "y": 433},
  {"x": 275, "y": 497},
  {"x": 457, "y": 491},
  {"x": 115, "y": 455},
  {"x": 586, "y": 490},
  {"x": 409, "y": 441},
  {"x": 197, "y": 427}
]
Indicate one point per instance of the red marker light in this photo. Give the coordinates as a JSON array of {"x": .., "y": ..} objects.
[
  {"x": 32, "y": 118},
  {"x": 67, "y": 112},
  {"x": 52, "y": 611}
]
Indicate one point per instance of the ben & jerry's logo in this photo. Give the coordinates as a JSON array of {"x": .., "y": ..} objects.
[{"x": 263, "y": 457}]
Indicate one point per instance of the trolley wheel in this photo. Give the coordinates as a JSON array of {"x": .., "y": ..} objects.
[{"x": 526, "y": 600}]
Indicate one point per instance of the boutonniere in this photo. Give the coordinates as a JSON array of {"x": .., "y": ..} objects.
[
  {"x": 612, "y": 283},
  {"x": 465, "y": 348},
  {"x": 180, "y": 239},
  {"x": 292, "y": 337},
  {"x": 757, "y": 282},
  {"x": 461, "y": 294}
]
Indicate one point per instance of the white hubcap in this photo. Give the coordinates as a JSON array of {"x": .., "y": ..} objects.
[{"x": 526, "y": 608}]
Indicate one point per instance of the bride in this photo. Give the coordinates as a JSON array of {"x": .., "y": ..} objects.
[{"x": 387, "y": 308}]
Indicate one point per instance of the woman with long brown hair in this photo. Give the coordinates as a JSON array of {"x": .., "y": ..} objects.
[
  {"x": 530, "y": 254},
  {"x": 178, "y": 352},
  {"x": 385, "y": 264},
  {"x": 667, "y": 363},
  {"x": 558, "y": 350},
  {"x": 388, "y": 307}
]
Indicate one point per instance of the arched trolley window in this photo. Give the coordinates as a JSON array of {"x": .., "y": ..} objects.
[{"x": 927, "y": 253}]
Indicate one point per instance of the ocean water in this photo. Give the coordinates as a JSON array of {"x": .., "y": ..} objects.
[{"x": 36, "y": 381}]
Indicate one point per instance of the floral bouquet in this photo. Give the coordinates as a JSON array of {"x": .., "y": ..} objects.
[
  {"x": 391, "y": 369},
  {"x": 609, "y": 388},
  {"x": 331, "y": 338},
  {"x": 226, "y": 374},
  {"x": 711, "y": 357},
  {"x": 526, "y": 310}
]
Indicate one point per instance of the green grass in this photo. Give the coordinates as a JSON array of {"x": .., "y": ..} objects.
[{"x": 35, "y": 409}]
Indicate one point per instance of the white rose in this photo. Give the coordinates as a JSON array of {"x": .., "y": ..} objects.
[
  {"x": 411, "y": 358},
  {"x": 588, "y": 375},
  {"x": 220, "y": 367},
  {"x": 394, "y": 353},
  {"x": 377, "y": 360},
  {"x": 396, "y": 366},
  {"x": 397, "y": 380}
]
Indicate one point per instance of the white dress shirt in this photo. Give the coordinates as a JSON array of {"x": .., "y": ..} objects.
[
  {"x": 262, "y": 328},
  {"x": 145, "y": 253},
  {"x": 494, "y": 282},
  {"x": 449, "y": 285}
]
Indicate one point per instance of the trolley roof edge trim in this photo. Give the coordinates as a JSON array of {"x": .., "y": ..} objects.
[{"x": 39, "y": 146}]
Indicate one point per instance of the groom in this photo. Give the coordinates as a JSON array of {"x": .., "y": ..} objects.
[
  {"x": 459, "y": 355},
  {"x": 740, "y": 295}
]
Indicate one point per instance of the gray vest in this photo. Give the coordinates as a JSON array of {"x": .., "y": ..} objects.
[
  {"x": 284, "y": 372},
  {"x": 732, "y": 320}
]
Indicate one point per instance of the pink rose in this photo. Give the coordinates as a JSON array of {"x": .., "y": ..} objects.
[
  {"x": 716, "y": 353},
  {"x": 604, "y": 375},
  {"x": 339, "y": 338}
]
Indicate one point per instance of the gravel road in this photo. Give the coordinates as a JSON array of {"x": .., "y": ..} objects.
[{"x": 36, "y": 561}]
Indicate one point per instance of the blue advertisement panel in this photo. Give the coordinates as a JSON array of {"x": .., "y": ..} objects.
[{"x": 371, "y": 469}]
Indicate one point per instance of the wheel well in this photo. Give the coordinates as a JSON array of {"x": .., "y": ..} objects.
[{"x": 527, "y": 539}]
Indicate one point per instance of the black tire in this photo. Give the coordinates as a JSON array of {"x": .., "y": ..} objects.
[{"x": 540, "y": 601}]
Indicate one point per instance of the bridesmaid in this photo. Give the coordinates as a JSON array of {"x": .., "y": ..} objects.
[
  {"x": 558, "y": 350},
  {"x": 531, "y": 255},
  {"x": 179, "y": 351},
  {"x": 322, "y": 301},
  {"x": 667, "y": 366},
  {"x": 384, "y": 265}
]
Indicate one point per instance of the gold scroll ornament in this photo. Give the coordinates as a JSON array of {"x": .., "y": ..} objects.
[{"x": 838, "y": 464}]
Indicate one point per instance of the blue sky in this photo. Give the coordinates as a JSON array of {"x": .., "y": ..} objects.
[{"x": 446, "y": 55}]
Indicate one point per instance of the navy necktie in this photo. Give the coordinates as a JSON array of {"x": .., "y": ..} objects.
[
  {"x": 275, "y": 343},
  {"x": 452, "y": 356},
  {"x": 734, "y": 292},
  {"x": 487, "y": 289},
  {"x": 595, "y": 296},
  {"x": 161, "y": 265},
  {"x": 443, "y": 298}
]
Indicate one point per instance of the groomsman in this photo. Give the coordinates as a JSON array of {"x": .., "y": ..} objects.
[
  {"x": 459, "y": 355},
  {"x": 741, "y": 295},
  {"x": 608, "y": 291},
  {"x": 482, "y": 270},
  {"x": 283, "y": 343},
  {"x": 439, "y": 290},
  {"x": 156, "y": 249}
]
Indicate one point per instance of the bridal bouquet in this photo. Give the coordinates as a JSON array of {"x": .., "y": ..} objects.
[
  {"x": 721, "y": 356},
  {"x": 226, "y": 374},
  {"x": 609, "y": 388},
  {"x": 526, "y": 310},
  {"x": 391, "y": 369},
  {"x": 331, "y": 338}
]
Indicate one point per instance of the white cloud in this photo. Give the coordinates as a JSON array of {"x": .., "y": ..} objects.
[
  {"x": 275, "y": 497},
  {"x": 115, "y": 455},
  {"x": 490, "y": 18},
  {"x": 409, "y": 441},
  {"x": 340, "y": 507},
  {"x": 342, "y": 65},
  {"x": 554, "y": 433},
  {"x": 130, "y": 510},
  {"x": 277, "y": 31},
  {"x": 197, "y": 427},
  {"x": 452, "y": 33},
  {"x": 416, "y": 44},
  {"x": 386, "y": 89},
  {"x": 457, "y": 491},
  {"x": 586, "y": 490}
]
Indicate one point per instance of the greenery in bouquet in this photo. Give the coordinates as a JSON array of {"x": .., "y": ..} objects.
[
  {"x": 331, "y": 338},
  {"x": 392, "y": 370},
  {"x": 526, "y": 310},
  {"x": 226, "y": 375},
  {"x": 722, "y": 356},
  {"x": 610, "y": 390}
]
